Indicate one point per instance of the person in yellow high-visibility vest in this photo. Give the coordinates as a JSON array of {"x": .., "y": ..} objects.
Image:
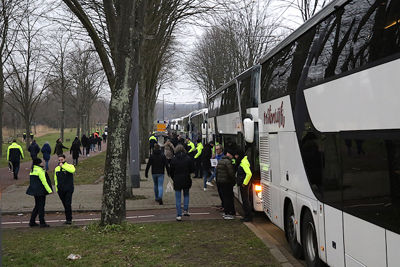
[
  {"x": 197, "y": 159},
  {"x": 190, "y": 147},
  {"x": 243, "y": 176},
  {"x": 152, "y": 141}
]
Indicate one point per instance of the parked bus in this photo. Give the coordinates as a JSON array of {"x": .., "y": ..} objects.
[
  {"x": 330, "y": 137},
  {"x": 228, "y": 106}
]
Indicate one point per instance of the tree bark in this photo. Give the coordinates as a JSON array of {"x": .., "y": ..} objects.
[{"x": 1, "y": 108}]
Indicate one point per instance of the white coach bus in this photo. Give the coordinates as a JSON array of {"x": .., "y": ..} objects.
[{"x": 329, "y": 135}]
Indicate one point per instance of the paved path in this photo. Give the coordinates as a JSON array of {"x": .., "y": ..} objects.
[{"x": 6, "y": 177}]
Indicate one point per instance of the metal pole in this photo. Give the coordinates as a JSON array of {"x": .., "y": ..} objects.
[{"x": 134, "y": 142}]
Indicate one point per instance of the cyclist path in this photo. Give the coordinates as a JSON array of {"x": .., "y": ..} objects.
[{"x": 6, "y": 177}]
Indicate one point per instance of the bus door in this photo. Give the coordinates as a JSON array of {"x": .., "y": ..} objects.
[{"x": 275, "y": 177}]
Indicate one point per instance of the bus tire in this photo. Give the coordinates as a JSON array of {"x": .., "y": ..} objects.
[
  {"x": 290, "y": 232},
  {"x": 309, "y": 241}
]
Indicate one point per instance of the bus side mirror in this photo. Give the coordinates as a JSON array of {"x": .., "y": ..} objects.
[{"x": 248, "y": 125}]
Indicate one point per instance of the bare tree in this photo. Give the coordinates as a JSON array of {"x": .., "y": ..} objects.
[
  {"x": 28, "y": 80},
  {"x": 87, "y": 82},
  {"x": 12, "y": 12},
  {"x": 56, "y": 59},
  {"x": 306, "y": 8},
  {"x": 233, "y": 43}
]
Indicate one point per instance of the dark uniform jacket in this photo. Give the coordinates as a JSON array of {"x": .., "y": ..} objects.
[
  {"x": 64, "y": 177},
  {"x": 34, "y": 149},
  {"x": 38, "y": 184},
  {"x": 15, "y": 153},
  {"x": 181, "y": 168},
  {"x": 225, "y": 171}
]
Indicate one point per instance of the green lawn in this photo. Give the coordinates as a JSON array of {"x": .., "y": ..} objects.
[
  {"x": 195, "y": 243},
  {"x": 69, "y": 134}
]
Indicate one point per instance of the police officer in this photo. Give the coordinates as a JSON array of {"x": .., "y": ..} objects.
[
  {"x": 243, "y": 177},
  {"x": 152, "y": 141},
  {"x": 14, "y": 155},
  {"x": 197, "y": 159},
  {"x": 39, "y": 187},
  {"x": 64, "y": 181},
  {"x": 190, "y": 147}
]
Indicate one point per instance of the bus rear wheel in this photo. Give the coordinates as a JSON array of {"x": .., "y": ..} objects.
[
  {"x": 309, "y": 241},
  {"x": 290, "y": 232}
]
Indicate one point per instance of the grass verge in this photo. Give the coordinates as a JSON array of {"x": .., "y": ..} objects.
[{"x": 193, "y": 243}]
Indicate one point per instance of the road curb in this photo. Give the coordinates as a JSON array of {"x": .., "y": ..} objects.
[{"x": 268, "y": 241}]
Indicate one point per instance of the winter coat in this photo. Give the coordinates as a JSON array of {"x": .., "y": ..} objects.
[
  {"x": 206, "y": 156},
  {"x": 85, "y": 141},
  {"x": 243, "y": 174},
  {"x": 46, "y": 151},
  {"x": 158, "y": 163},
  {"x": 39, "y": 182},
  {"x": 64, "y": 177},
  {"x": 34, "y": 149},
  {"x": 181, "y": 168},
  {"x": 225, "y": 171},
  {"x": 75, "y": 149},
  {"x": 98, "y": 140},
  {"x": 59, "y": 148},
  {"x": 15, "y": 153},
  {"x": 169, "y": 150}
]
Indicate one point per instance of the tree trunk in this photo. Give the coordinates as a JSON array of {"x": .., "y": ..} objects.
[
  {"x": 62, "y": 116},
  {"x": 28, "y": 132},
  {"x": 1, "y": 108}
]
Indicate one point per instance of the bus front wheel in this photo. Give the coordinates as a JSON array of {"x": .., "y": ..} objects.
[
  {"x": 290, "y": 232},
  {"x": 309, "y": 241}
]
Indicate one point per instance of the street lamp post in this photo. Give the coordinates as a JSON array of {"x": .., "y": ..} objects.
[{"x": 163, "y": 116}]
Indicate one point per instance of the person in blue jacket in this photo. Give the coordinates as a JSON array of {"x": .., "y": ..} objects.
[{"x": 46, "y": 151}]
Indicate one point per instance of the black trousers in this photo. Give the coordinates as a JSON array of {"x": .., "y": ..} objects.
[
  {"x": 219, "y": 188},
  {"x": 40, "y": 201},
  {"x": 198, "y": 170},
  {"x": 244, "y": 192},
  {"x": 66, "y": 199},
  {"x": 227, "y": 196},
  {"x": 87, "y": 150},
  {"x": 15, "y": 168},
  {"x": 75, "y": 161}
]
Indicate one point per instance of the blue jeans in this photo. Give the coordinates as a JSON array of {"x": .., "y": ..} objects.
[
  {"x": 47, "y": 165},
  {"x": 205, "y": 178},
  {"x": 158, "y": 180},
  {"x": 178, "y": 198},
  {"x": 213, "y": 174}
]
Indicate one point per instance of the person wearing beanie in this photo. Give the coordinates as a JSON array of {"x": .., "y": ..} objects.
[{"x": 39, "y": 187}]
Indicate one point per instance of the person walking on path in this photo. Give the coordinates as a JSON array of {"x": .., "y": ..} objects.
[
  {"x": 226, "y": 181},
  {"x": 243, "y": 177},
  {"x": 46, "y": 151},
  {"x": 14, "y": 155},
  {"x": 64, "y": 181},
  {"x": 34, "y": 149},
  {"x": 197, "y": 159},
  {"x": 85, "y": 145},
  {"x": 98, "y": 140},
  {"x": 206, "y": 165},
  {"x": 75, "y": 150},
  {"x": 158, "y": 163},
  {"x": 181, "y": 168},
  {"x": 58, "y": 150},
  {"x": 169, "y": 149},
  {"x": 152, "y": 141},
  {"x": 39, "y": 187}
]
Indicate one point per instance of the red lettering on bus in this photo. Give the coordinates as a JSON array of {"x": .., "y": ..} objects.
[{"x": 276, "y": 117}]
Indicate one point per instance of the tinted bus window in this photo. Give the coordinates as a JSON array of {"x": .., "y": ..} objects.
[{"x": 359, "y": 35}]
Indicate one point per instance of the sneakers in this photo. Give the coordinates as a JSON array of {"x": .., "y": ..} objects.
[
  {"x": 205, "y": 189},
  {"x": 178, "y": 218},
  {"x": 186, "y": 213},
  {"x": 228, "y": 217},
  {"x": 160, "y": 201},
  {"x": 209, "y": 183}
]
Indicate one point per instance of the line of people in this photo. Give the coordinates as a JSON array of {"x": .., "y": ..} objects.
[{"x": 181, "y": 158}]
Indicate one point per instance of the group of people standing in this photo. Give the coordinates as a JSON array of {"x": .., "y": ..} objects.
[{"x": 182, "y": 157}]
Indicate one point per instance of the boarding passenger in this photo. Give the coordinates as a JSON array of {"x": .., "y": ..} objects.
[{"x": 226, "y": 181}]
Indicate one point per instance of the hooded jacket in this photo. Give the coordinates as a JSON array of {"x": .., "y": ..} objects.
[
  {"x": 46, "y": 151},
  {"x": 34, "y": 149}
]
